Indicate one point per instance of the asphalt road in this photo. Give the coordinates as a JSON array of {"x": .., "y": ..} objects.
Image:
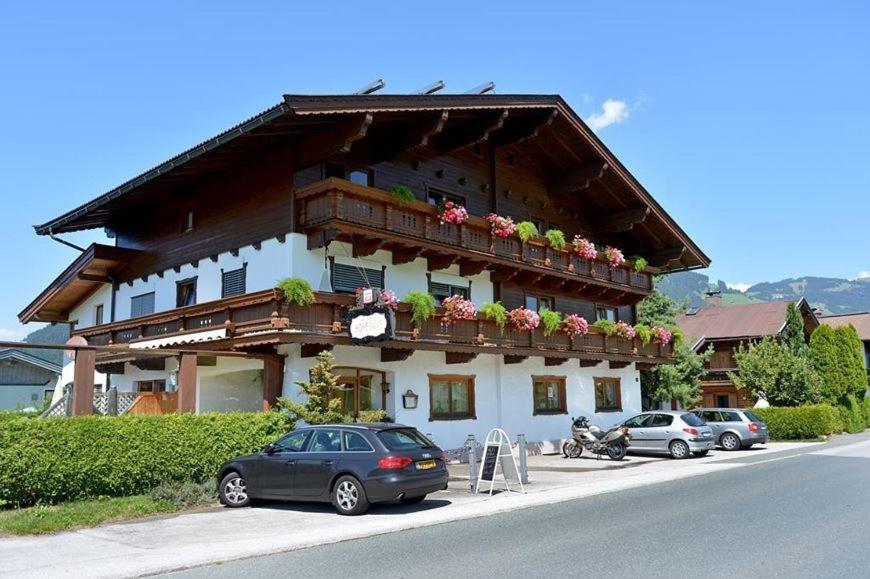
[{"x": 797, "y": 515}]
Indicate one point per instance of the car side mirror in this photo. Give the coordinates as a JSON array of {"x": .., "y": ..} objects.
[{"x": 270, "y": 448}]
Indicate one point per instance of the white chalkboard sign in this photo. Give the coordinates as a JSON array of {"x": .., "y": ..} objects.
[{"x": 498, "y": 459}]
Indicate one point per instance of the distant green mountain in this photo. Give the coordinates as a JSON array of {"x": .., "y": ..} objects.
[
  {"x": 49, "y": 334},
  {"x": 831, "y": 295}
]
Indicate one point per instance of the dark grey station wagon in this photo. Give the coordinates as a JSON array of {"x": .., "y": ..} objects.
[{"x": 350, "y": 465}]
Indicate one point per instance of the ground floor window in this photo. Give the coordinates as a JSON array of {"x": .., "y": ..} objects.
[
  {"x": 451, "y": 397},
  {"x": 548, "y": 395},
  {"x": 150, "y": 385},
  {"x": 608, "y": 395}
]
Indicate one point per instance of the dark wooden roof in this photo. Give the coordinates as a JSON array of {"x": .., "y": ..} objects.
[
  {"x": 573, "y": 154},
  {"x": 83, "y": 276}
]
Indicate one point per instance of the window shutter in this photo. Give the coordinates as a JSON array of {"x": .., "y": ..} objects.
[
  {"x": 233, "y": 283},
  {"x": 346, "y": 278},
  {"x": 142, "y": 305},
  {"x": 440, "y": 290}
]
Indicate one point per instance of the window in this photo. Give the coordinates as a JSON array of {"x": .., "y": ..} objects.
[
  {"x": 98, "y": 315},
  {"x": 608, "y": 395},
  {"x": 710, "y": 416},
  {"x": 435, "y": 197},
  {"x": 548, "y": 394},
  {"x": 142, "y": 305},
  {"x": 723, "y": 400},
  {"x": 361, "y": 177},
  {"x": 233, "y": 282},
  {"x": 444, "y": 290},
  {"x": 451, "y": 397},
  {"x": 639, "y": 421},
  {"x": 325, "y": 441},
  {"x": 188, "y": 223},
  {"x": 293, "y": 442},
  {"x": 606, "y": 313},
  {"x": 537, "y": 303},
  {"x": 346, "y": 278},
  {"x": 690, "y": 419},
  {"x": 355, "y": 442},
  {"x": 150, "y": 385},
  {"x": 185, "y": 292},
  {"x": 540, "y": 224},
  {"x": 662, "y": 420},
  {"x": 404, "y": 439}
]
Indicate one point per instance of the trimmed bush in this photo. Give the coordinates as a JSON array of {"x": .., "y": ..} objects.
[
  {"x": 59, "y": 459},
  {"x": 800, "y": 422}
]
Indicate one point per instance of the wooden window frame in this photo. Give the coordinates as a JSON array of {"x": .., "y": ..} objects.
[
  {"x": 153, "y": 383},
  {"x": 449, "y": 285},
  {"x": 607, "y": 307},
  {"x": 179, "y": 283},
  {"x": 538, "y": 296},
  {"x": 617, "y": 382},
  {"x": 456, "y": 198},
  {"x": 469, "y": 380},
  {"x": 99, "y": 314},
  {"x": 561, "y": 384}
]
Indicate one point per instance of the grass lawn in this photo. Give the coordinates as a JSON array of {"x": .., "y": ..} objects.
[{"x": 51, "y": 519}]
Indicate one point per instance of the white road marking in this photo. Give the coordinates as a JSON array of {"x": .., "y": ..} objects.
[{"x": 857, "y": 450}]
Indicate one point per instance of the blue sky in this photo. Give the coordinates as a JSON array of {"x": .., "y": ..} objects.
[{"x": 748, "y": 121}]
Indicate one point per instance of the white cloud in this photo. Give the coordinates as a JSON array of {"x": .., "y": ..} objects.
[
  {"x": 863, "y": 275},
  {"x": 12, "y": 335},
  {"x": 739, "y": 286},
  {"x": 612, "y": 112}
]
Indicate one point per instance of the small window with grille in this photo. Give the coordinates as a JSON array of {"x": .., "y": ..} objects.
[
  {"x": 233, "y": 282},
  {"x": 443, "y": 290},
  {"x": 346, "y": 278},
  {"x": 142, "y": 305}
]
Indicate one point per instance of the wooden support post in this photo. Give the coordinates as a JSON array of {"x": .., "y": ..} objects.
[
  {"x": 187, "y": 382},
  {"x": 83, "y": 382},
  {"x": 273, "y": 380}
]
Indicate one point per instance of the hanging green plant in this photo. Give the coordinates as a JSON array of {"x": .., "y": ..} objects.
[
  {"x": 402, "y": 194},
  {"x": 296, "y": 291},
  {"x": 494, "y": 312},
  {"x": 526, "y": 230},
  {"x": 551, "y": 321},
  {"x": 639, "y": 263},
  {"x": 644, "y": 333},
  {"x": 678, "y": 338},
  {"x": 606, "y": 326},
  {"x": 556, "y": 239},
  {"x": 422, "y": 305}
]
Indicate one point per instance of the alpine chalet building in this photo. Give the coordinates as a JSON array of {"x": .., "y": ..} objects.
[{"x": 404, "y": 193}]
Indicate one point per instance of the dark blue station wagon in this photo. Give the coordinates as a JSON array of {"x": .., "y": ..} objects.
[{"x": 349, "y": 465}]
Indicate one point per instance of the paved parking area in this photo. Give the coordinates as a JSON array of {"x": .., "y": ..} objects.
[{"x": 210, "y": 536}]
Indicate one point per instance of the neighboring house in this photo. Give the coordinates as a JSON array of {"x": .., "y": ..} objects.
[
  {"x": 304, "y": 189},
  {"x": 861, "y": 323},
  {"x": 725, "y": 328},
  {"x": 25, "y": 380}
]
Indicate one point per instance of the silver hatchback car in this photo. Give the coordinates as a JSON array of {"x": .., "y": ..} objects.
[
  {"x": 678, "y": 433},
  {"x": 733, "y": 428}
]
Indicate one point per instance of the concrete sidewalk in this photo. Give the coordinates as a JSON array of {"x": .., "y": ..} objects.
[{"x": 214, "y": 535}]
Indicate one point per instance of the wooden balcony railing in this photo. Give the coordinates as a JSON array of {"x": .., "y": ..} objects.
[
  {"x": 266, "y": 313},
  {"x": 334, "y": 202}
]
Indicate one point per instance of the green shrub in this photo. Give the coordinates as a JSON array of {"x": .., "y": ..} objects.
[
  {"x": 550, "y": 320},
  {"x": 422, "y": 305},
  {"x": 494, "y": 312},
  {"x": 854, "y": 416},
  {"x": 526, "y": 230},
  {"x": 186, "y": 494},
  {"x": 800, "y": 422},
  {"x": 644, "y": 333},
  {"x": 555, "y": 238},
  {"x": 297, "y": 291},
  {"x": 402, "y": 194},
  {"x": 606, "y": 326},
  {"x": 59, "y": 459},
  {"x": 639, "y": 263}
]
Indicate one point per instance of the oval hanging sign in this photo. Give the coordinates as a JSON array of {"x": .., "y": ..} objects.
[{"x": 370, "y": 324}]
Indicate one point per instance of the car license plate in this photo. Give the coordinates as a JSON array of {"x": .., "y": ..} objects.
[{"x": 425, "y": 464}]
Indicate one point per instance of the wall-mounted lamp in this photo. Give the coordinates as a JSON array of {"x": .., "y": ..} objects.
[{"x": 409, "y": 399}]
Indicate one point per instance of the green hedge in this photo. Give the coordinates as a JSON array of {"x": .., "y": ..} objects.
[
  {"x": 800, "y": 422},
  {"x": 51, "y": 460}
]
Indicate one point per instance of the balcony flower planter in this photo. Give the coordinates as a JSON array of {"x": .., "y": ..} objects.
[{"x": 450, "y": 212}]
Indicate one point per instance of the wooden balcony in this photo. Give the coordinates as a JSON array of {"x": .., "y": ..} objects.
[
  {"x": 372, "y": 219},
  {"x": 263, "y": 318}
]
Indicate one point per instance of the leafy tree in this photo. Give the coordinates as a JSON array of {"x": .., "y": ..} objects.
[
  {"x": 793, "y": 333},
  {"x": 323, "y": 397},
  {"x": 680, "y": 380},
  {"x": 769, "y": 369},
  {"x": 835, "y": 353}
]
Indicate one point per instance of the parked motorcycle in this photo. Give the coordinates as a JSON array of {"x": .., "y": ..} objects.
[{"x": 614, "y": 442}]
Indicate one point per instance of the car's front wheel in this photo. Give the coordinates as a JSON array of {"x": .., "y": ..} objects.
[
  {"x": 233, "y": 491},
  {"x": 349, "y": 496},
  {"x": 679, "y": 449},
  {"x": 730, "y": 441}
]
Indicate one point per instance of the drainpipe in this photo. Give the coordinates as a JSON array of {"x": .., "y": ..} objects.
[{"x": 64, "y": 241}]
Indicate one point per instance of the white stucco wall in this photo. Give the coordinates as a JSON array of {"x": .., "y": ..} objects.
[{"x": 83, "y": 313}]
